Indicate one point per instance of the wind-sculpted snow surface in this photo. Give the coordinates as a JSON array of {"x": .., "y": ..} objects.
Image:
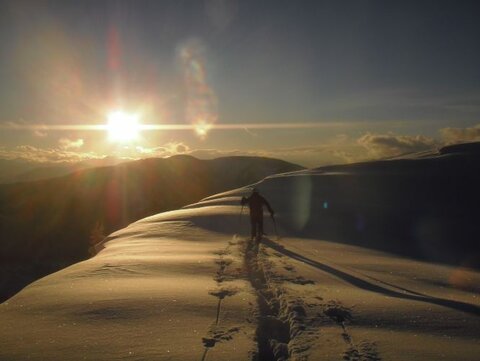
[
  {"x": 337, "y": 284},
  {"x": 161, "y": 289}
]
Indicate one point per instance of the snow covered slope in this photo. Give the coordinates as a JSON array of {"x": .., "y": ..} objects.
[
  {"x": 337, "y": 284},
  {"x": 161, "y": 289}
]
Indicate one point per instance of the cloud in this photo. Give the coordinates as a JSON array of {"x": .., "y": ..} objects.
[
  {"x": 45, "y": 155},
  {"x": 14, "y": 124},
  {"x": 387, "y": 145},
  {"x": 177, "y": 148},
  {"x": 216, "y": 153},
  {"x": 173, "y": 148},
  {"x": 335, "y": 150},
  {"x": 338, "y": 149},
  {"x": 66, "y": 143},
  {"x": 40, "y": 133},
  {"x": 346, "y": 156},
  {"x": 461, "y": 135},
  {"x": 310, "y": 156},
  {"x": 166, "y": 150},
  {"x": 302, "y": 149}
]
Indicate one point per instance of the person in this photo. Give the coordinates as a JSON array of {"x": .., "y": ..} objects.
[{"x": 255, "y": 204}]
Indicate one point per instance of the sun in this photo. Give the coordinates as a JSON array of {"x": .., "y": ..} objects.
[{"x": 122, "y": 127}]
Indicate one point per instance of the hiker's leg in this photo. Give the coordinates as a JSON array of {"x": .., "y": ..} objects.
[
  {"x": 260, "y": 227},
  {"x": 253, "y": 226},
  {"x": 258, "y": 233}
]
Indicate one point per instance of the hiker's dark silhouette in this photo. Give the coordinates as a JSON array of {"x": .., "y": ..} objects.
[{"x": 255, "y": 204}]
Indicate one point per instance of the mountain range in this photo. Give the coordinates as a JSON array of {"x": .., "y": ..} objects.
[{"x": 48, "y": 224}]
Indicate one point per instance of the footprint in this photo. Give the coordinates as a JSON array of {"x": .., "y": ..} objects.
[
  {"x": 223, "y": 262},
  {"x": 222, "y": 252},
  {"x": 289, "y": 268},
  {"x": 219, "y": 334},
  {"x": 302, "y": 281},
  {"x": 223, "y": 292},
  {"x": 337, "y": 312}
]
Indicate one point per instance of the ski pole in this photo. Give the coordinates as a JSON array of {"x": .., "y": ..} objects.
[
  {"x": 275, "y": 226},
  {"x": 240, "y": 219}
]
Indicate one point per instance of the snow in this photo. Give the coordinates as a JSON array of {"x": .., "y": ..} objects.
[
  {"x": 149, "y": 294},
  {"x": 187, "y": 285},
  {"x": 398, "y": 308}
]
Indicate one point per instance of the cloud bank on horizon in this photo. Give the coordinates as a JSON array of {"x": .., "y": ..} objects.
[{"x": 338, "y": 150}]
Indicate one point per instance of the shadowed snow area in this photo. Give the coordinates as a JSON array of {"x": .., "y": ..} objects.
[{"x": 373, "y": 261}]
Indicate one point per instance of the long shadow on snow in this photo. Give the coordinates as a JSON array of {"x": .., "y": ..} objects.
[{"x": 365, "y": 285}]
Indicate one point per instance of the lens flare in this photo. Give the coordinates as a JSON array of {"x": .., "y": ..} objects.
[
  {"x": 202, "y": 102},
  {"x": 202, "y": 128}
]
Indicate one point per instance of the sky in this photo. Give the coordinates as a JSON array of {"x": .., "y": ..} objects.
[{"x": 312, "y": 82}]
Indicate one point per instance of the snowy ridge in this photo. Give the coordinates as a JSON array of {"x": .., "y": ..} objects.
[{"x": 188, "y": 285}]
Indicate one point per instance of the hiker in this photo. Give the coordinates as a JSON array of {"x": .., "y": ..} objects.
[{"x": 255, "y": 203}]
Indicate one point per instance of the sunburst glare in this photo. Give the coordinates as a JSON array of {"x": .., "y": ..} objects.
[{"x": 122, "y": 127}]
